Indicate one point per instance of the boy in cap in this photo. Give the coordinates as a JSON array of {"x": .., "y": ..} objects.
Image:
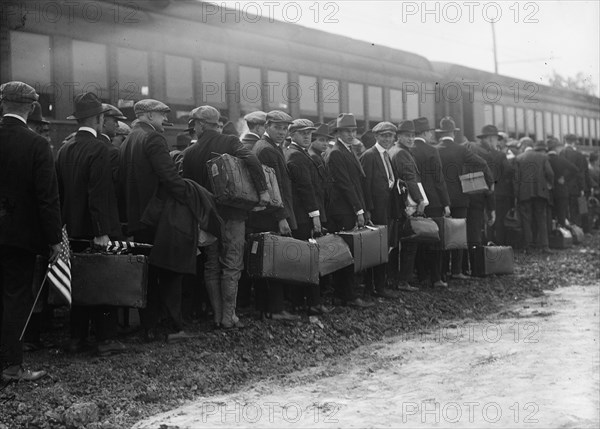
[
  {"x": 256, "y": 128},
  {"x": 225, "y": 260},
  {"x": 30, "y": 221}
]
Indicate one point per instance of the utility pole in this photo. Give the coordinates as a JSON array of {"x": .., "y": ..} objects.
[{"x": 495, "y": 50}]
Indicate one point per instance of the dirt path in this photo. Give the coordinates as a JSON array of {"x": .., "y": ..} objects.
[{"x": 536, "y": 365}]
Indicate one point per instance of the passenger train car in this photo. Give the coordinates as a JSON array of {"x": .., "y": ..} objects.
[{"x": 177, "y": 52}]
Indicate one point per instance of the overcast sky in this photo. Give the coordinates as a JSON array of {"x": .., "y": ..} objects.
[{"x": 533, "y": 38}]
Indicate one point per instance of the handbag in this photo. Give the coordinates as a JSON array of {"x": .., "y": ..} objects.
[
  {"x": 424, "y": 230},
  {"x": 512, "y": 220}
]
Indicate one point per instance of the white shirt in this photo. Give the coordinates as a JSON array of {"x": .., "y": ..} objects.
[
  {"x": 89, "y": 130},
  {"x": 12, "y": 115},
  {"x": 388, "y": 173}
]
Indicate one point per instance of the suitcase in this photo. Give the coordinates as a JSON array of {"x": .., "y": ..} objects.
[
  {"x": 274, "y": 257},
  {"x": 576, "y": 233},
  {"x": 492, "y": 260},
  {"x": 473, "y": 183},
  {"x": 334, "y": 254},
  {"x": 233, "y": 186},
  {"x": 560, "y": 238},
  {"x": 103, "y": 279},
  {"x": 369, "y": 246},
  {"x": 453, "y": 232}
]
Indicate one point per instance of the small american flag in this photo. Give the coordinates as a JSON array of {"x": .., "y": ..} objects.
[
  {"x": 59, "y": 273},
  {"x": 121, "y": 247}
]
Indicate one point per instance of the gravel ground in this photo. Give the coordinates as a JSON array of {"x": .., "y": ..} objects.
[{"x": 115, "y": 392}]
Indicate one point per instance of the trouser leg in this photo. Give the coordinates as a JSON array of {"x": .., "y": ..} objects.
[
  {"x": 232, "y": 263},
  {"x": 212, "y": 280}
]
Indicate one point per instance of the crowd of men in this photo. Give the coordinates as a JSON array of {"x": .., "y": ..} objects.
[{"x": 114, "y": 182}]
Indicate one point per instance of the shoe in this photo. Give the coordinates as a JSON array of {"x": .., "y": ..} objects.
[
  {"x": 17, "y": 373},
  {"x": 406, "y": 287},
  {"x": 360, "y": 303},
  {"x": 460, "y": 276},
  {"x": 384, "y": 294},
  {"x": 179, "y": 336},
  {"x": 441, "y": 284},
  {"x": 547, "y": 250},
  {"x": 234, "y": 325},
  {"x": 109, "y": 348},
  {"x": 284, "y": 315}
]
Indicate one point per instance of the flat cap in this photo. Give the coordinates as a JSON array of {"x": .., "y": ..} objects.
[
  {"x": 207, "y": 114},
  {"x": 122, "y": 129},
  {"x": 406, "y": 127},
  {"x": 301, "y": 125},
  {"x": 258, "y": 117},
  {"x": 277, "y": 116},
  {"x": 571, "y": 138},
  {"x": 113, "y": 112},
  {"x": 385, "y": 127},
  {"x": 18, "y": 92},
  {"x": 150, "y": 105}
]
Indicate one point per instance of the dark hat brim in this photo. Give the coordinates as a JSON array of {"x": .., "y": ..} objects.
[
  {"x": 88, "y": 113},
  {"x": 38, "y": 121},
  {"x": 119, "y": 117}
]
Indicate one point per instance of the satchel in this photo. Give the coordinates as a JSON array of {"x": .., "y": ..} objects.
[
  {"x": 425, "y": 230},
  {"x": 512, "y": 220}
]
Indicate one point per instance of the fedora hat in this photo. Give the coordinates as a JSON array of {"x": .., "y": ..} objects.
[
  {"x": 422, "y": 125},
  {"x": 321, "y": 131},
  {"x": 344, "y": 120},
  {"x": 87, "y": 105},
  {"x": 488, "y": 130},
  {"x": 36, "y": 115},
  {"x": 446, "y": 125},
  {"x": 406, "y": 127}
]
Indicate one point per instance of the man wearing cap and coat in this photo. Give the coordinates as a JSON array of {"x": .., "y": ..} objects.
[
  {"x": 38, "y": 124},
  {"x": 225, "y": 260},
  {"x": 456, "y": 159},
  {"x": 30, "y": 221},
  {"x": 428, "y": 162},
  {"x": 564, "y": 171},
  {"x": 580, "y": 184},
  {"x": 256, "y": 128},
  {"x": 346, "y": 207},
  {"x": 89, "y": 210},
  {"x": 112, "y": 116}
]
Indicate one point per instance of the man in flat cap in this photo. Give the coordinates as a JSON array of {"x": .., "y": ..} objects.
[
  {"x": 256, "y": 128},
  {"x": 456, "y": 158},
  {"x": 347, "y": 207},
  {"x": 579, "y": 185},
  {"x": 30, "y": 221},
  {"x": 380, "y": 182},
  {"x": 89, "y": 210},
  {"x": 429, "y": 164},
  {"x": 269, "y": 151},
  {"x": 112, "y": 116},
  {"x": 148, "y": 169},
  {"x": 224, "y": 260}
]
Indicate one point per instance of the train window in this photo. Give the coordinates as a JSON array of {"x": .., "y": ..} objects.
[
  {"x": 250, "y": 89},
  {"x": 276, "y": 90},
  {"x": 309, "y": 95},
  {"x": 556, "y": 125},
  {"x": 132, "y": 74},
  {"x": 330, "y": 94},
  {"x": 375, "y": 94},
  {"x": 510, "y": 121},
  {"x": 412, "y": 104},
  {"x": 564, "y": 125},
  {"x": 520, "y": 122},
  {"x": 548, "y": 123},
  {"x": 586, "y": 131},
  {"x": 578, "y": 126},
  {"x": 530, "y": 122},
  {"x": 571, "y": 124},
  {"x": 90, "y": 71},
  {"x": 499, "y": 116},
  {"x": 539, "y": 125},
  {"x": 30, "y": 58},
  {"x": 396, "y": 105},
  {"x": 488, "y": 114},
  {"x": 179, "y": 77},
  {"x": 213, "y": 78},
  {"x": 356, "y": 100}
]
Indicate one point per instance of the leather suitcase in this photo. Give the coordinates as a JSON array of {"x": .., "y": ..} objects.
[
  {"x": 369, "y": 246},
  {"x": 274, "y": 257},
  {"x": 473, "y": 183},
  {"x": 103, "y": 279},
  {"x": 492, "y": 260},
  {"x": 334, "y": 254},
  {"x": 453, "y": 232},
  {"x": 560, "y": 238},
  {"x": 576, "y": 233},
  {"x": 424, "y": 230}
]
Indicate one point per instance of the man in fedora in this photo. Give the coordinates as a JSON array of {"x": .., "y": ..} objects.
[
  {"x": 579, "y": 185},
  {"x": 346, "y": 206},
  {"x": 428, "y": 162},
  {"x": 89, "y": 210},
  {"x": 147, "y": 169},
  {"x": 256, "y": 128},
  {"x": 38, "y": 124},
  {"x": 224, "y": 260},
  {"x": 456, "y": 159},
  {"x": 380, "y": 182},
  {"x": 30, "y": 221}
]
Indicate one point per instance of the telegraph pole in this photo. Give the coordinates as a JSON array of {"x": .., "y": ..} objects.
[{"x": 495, "y": 50}]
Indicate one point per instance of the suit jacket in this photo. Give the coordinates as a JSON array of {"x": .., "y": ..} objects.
[
  {"x": 496, "y": 162},
  {"x": 113, "y": 155},
  {"x": 87, "y": 192},
  {"x": 562, "y": 167},
  {"x": 405, "y": 168},
  {"x": 307, "y": 192},
  {"x": 377, "y": 195},
  {"x": 349, "y": 186},
  {"x": 271, "y": 155},
  {"x": 325, "y": 182},
  {"x": 211, "y": 144},
  {"x": 429, "y": 164},
  {"x": 249, "y": 140},
  {"x": 581, "y": 181},
  {"x": 456, "y": 159},
  {"x": 146, "y": 168},
  {"x": 533, "y": 176},
  {"x": 29, "y": 199}
]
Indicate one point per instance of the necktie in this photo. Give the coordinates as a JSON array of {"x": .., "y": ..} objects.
[{"x": 388, "y": 167}]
